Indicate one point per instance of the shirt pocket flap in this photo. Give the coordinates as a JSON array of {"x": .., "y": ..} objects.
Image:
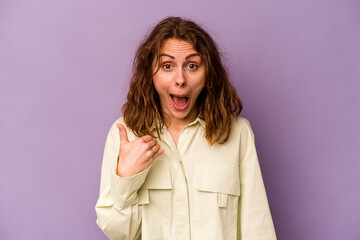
[
  {"x": 217, "y": 178},
  {"x": 158, "y": 177}
]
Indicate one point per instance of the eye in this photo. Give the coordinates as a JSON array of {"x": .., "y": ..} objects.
[
  {"x": 166, "y": 66},
  {"x": 193, "y": 66}
]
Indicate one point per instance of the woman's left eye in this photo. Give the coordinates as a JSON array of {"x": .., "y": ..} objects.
[{"x": 192, "y": 66}]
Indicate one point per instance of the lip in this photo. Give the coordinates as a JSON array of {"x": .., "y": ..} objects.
[{"x": 176, "y": 106}]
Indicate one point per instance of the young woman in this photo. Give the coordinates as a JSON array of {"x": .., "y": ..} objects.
[{"x": 181, "y": 163}]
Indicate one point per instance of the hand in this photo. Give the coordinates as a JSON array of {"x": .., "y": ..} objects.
[{"x": 135, "y": 156}]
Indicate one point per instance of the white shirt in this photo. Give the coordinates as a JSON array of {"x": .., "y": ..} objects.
[{"x": 193, "y": 191}]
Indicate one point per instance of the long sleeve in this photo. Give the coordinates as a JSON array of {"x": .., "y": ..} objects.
[
  {"x": 117, "y": 209},
  {"x": 255, "y": 222}
]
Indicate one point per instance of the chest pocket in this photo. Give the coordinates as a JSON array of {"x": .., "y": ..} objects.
[
  {"x": 158, "y": 178},
  {"x": 216, "y": 201},
  {"x": 222, "y": 180},
  {"x": 155, "y": 198}
]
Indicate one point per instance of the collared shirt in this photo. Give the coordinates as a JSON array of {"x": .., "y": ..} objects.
[{"x": 192, "y": 191}]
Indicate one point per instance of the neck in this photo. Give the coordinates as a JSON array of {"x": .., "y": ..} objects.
[{"x": 176, "y": 124}]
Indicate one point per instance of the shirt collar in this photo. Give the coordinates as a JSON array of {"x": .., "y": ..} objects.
[{"x": 199, "y": 119}]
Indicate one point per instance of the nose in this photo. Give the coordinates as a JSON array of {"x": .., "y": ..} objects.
[{"x": 180, "y": 79}]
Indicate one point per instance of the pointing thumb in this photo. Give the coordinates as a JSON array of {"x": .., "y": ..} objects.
[{"x": 123, "y": 134}]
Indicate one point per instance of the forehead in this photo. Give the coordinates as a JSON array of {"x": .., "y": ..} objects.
[{"x": 177, "y": 46}]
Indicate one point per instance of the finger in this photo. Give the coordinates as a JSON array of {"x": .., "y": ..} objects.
[
  {"x": 123, "y": 134},
  {"x": 151, "y": 152},
  {"x": 151, "y": 144},
  {"x": 147, "y": 138},
  {"x": 154, "y": 149},
  {"x": 158, "y": 153}
]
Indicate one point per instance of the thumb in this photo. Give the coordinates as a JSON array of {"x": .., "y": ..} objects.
[{"x": 123, "y": 134}]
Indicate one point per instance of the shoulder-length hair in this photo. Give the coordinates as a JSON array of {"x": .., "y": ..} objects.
[{"x": 217, "y": 102}]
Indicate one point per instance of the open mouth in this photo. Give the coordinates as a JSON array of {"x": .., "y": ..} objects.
[{"x": 180, "y": 102}]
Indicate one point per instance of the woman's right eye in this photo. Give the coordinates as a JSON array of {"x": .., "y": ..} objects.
[{"x": 167, "y": 66}]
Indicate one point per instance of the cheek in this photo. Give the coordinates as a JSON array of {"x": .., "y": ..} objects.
[
  {"x": 200, "y": 87},
  {"x": 160, "y": 86},
  {"x": 200, "y": 83},
  {"x": 201, "y": 79}
]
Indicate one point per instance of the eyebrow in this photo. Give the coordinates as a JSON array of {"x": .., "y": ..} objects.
[{"x": 191, "y": 55}]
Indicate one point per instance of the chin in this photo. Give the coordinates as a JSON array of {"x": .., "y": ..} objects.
[{"x": 180, "y": 115}]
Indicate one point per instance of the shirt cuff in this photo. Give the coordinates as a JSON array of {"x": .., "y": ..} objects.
[{"x": 124, "y": 189}]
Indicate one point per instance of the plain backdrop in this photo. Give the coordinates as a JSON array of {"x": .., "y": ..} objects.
[{"x": 65, "y": 68}]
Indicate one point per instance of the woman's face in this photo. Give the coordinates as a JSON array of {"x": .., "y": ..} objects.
[{"x": 179, "y": 80}]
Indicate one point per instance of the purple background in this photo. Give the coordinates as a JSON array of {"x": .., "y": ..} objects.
[{"x": 64, "y": 70}]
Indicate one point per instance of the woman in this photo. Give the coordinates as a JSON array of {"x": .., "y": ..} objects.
[{"x": 180, "y": 163}]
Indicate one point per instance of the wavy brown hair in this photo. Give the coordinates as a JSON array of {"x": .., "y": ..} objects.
[{"x": 217, "y": 102}]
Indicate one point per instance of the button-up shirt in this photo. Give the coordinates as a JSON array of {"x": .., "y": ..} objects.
[{"x": 191, "y": 191}]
